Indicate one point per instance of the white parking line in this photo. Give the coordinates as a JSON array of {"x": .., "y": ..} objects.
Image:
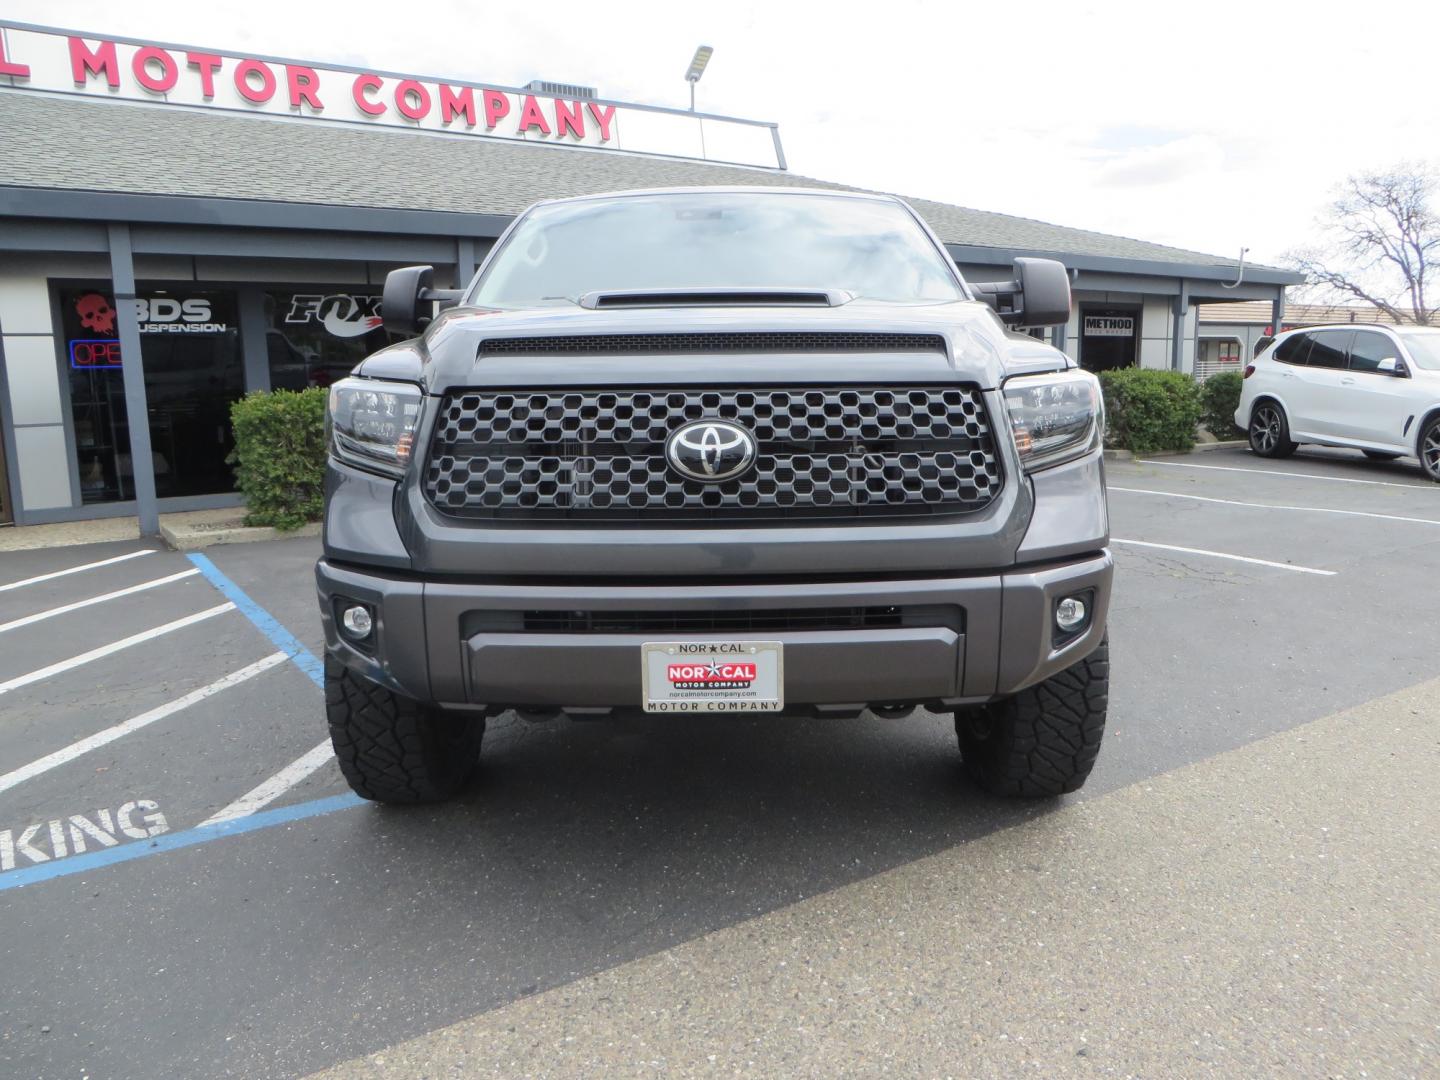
[
  {"x": 78, "y": 604},
  {"x": 113, "y": 647},
  {"x": 276, "y": 786},
  {"x": 1277, "y": 472},
  {"x": 1225, "y": 555},
  {"x": 135, "y": 723},
  {"x": 75, "y": 570},
  {"x": 1273, "y": 506}
]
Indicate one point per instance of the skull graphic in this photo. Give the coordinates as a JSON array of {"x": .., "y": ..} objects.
[{"x": 96, "y": 313}]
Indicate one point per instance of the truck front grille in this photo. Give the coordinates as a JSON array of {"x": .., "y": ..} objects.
[{"x": 823, "y": 451}]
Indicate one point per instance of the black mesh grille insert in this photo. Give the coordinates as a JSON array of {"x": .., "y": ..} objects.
[
  {"x": 746, "y": 341},
  {"x": 832, "y": 451},
  {"x": 661, "y": 624}
]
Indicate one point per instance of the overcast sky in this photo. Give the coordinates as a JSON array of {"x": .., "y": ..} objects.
[{"x": 1209, "y": 126}]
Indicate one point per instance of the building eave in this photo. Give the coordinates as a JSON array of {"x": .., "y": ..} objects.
[{"x": 1257, "y": 275}]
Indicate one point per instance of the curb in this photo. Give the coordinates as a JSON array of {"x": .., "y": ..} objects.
[
  {"x": 193, "y": 537},
  {"x": 1198, "y": 448}
]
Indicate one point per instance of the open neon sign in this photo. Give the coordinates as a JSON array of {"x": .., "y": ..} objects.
[{"x": 92, "y": 354}]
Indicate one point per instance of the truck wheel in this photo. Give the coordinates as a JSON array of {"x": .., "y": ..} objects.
[
  {"x": 1270, "y": 431},
  {"x": 1042, "y": 741},
  {"x": 392, "y": 749}
]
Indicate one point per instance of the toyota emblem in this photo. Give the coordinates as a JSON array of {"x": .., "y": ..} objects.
[{"x": 710, "y": 450}]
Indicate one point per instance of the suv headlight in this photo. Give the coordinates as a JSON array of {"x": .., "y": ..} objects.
[
  {"x": 1055, "y": 417},
  {"x": 371, "y": 424}
]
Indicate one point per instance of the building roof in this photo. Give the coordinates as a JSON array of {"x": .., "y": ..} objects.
[
  {"x": 90, "y": 144},
  {"x": 1259, "y": 313}
]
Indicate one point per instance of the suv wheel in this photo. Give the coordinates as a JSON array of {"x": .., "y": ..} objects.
[
  {"x": 392, "y": 749},
  {"x": 1044, "y": 740},
  {"x": 1430, "y": 449},
  {"x": 1270, "y": 431}
]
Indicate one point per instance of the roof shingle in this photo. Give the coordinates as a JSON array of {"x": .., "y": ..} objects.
[{"x": 85, "y": 144}]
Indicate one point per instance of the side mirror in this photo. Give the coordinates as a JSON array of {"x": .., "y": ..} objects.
[
  {"x": 1039, "y": 295},
  {"x": 1392, "y": 365},
  {"x": 405, "y": 305}
]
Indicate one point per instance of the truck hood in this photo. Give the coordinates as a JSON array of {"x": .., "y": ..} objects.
[{"x": 978, "y": 347}]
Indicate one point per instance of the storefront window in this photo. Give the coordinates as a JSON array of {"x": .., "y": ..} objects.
[
  {"x": 190, "y": 345},
  {"x": 316, "y": 336},
  {"x": 1214, "y": 355}
]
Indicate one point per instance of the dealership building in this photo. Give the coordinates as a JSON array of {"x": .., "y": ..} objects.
[{"x": 179, "y": 226}]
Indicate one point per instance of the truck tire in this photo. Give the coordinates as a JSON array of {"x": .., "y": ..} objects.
[
  {"x": 1269, "y": 431},
  {"x": 392, "y": 749},
  {"x": 1043, "y": 741}
]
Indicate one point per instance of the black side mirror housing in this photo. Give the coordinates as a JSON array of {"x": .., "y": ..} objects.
[
  {"x": 1038, "y": 295},
  {"x": 406, "y": 305}
]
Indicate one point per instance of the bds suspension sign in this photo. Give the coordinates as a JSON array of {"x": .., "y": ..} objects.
[{"x": 58, "y": 61}]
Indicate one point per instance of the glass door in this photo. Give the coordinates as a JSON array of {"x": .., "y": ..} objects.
[{"x": 190, "y": 344}]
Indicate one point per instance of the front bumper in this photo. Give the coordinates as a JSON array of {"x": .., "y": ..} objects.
[{"x": 432, "y": 639}]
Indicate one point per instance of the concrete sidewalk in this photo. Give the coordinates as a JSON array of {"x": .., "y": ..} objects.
[
  {"x": 187, "y": 531},
  {"x": 1274, "y": 910}
]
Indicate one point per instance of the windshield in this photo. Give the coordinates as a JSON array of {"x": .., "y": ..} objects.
[
  {"x": 1424, "y": 346},
  {"x": 872, "y": 248}
]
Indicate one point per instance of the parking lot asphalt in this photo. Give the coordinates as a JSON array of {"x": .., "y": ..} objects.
[{"x": 1252, "y": 597}]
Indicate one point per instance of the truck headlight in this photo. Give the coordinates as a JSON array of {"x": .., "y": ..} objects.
[
  {"x": 371, "y": 424},
  {"x": 1055, "y": 417}
]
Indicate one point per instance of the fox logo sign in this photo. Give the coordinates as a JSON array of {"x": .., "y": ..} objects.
[{"x": 342, "y": 314}]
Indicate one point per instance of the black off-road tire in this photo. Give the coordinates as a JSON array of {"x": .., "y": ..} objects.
[
  {"x": 1379, "y": 455},
  {"x": 392, "y": 749},
  {"x": 1043, "y": 741},
  {"x": 1269, "y": 430}
]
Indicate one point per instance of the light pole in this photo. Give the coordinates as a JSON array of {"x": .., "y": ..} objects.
[{"x": 696, "y": 69}]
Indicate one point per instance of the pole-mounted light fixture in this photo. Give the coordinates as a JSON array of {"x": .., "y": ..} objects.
[{"x": 696, "y": 69}]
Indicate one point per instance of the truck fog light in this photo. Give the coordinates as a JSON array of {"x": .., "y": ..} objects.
[
  {"x": 357, "y": 622},
  {"x": 1071, "y": 613}
]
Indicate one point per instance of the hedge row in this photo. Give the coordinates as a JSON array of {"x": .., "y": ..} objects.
[
  {"x": 279, "y": 456},
  {"x": 1150, "y": 410},
  {"x": 1220, "y": 395}
]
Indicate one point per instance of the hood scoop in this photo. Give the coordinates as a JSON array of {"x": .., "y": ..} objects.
[
  {"x": 664, "y": 298},
  {"x": 739, "y": 341}
]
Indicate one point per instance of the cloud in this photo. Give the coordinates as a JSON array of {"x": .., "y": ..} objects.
[{"x": 1172, "y": 162}]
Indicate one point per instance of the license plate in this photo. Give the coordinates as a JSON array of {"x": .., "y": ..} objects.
[{"x": 713, "y": 676}]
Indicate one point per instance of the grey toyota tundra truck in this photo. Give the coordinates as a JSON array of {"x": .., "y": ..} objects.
[{"x": 748, "y": 450}]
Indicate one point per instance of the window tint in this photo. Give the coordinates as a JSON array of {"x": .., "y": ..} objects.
[
  {"x": 1369, "y": 348},
  {"x": 1293, "y": 349},
  {"x": 1328, "y": 348},
  {"x": 1424, "y": 347}
]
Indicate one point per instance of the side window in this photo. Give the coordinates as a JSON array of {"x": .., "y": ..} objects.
[
  {"x": 1293, "y": 349},
  {"x": 1369, "y": 348},
  {"x": 1329, "y": 348}
]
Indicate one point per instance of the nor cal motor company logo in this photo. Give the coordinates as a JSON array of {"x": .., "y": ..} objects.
[
  {"x": 342, "y": 314},
  {"x": 712, "y": 675}
]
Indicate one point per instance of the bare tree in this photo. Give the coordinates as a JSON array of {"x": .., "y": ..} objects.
[{"x": 1380, "y": 240}]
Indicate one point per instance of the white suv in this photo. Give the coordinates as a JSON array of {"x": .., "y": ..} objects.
[{"x": 1372, "y": 388}]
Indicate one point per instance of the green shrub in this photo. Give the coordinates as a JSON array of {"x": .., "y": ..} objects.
[
  {"x": 1220, "y": 397},
  {"x": 1150, "y": 410},
  {"x": 279, "y": 456}
]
